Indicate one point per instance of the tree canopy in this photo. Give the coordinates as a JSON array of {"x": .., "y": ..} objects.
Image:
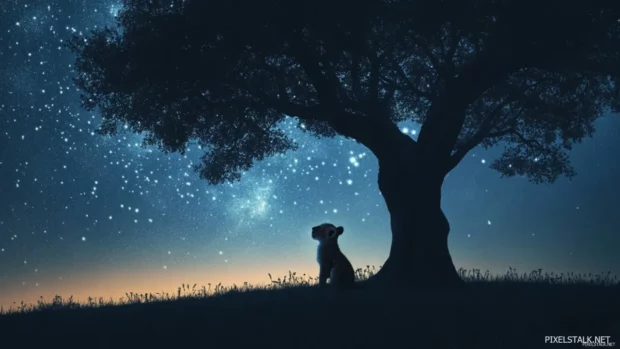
[{"x": 531, "y": 75}]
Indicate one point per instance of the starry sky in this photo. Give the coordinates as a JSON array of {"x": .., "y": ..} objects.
[{"x": 87, "y": 215}]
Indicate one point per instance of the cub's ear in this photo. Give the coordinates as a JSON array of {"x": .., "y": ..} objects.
[{"x": 340, "y": 230}]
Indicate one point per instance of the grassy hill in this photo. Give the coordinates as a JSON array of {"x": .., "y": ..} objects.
[{"x": 508, "y": 311}]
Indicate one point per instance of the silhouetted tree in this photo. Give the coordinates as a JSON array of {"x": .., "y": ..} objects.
[{"x": 532, "y": 76}]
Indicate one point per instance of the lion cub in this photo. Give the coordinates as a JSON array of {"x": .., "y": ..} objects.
[{"x": 333, "y": 263}]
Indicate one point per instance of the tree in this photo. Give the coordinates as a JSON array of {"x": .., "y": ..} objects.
[{"x": 531, "y": 76}]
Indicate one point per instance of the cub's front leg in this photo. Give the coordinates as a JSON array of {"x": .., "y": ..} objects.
[{"x": 324, "y": 273}]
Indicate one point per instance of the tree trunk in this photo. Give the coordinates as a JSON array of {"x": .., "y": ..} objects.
[{"x": 419, "y": 253}]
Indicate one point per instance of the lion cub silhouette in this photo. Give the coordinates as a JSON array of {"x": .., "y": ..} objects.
[{"x": 333, "y": 263}]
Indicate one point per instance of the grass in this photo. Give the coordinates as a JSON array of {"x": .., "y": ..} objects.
[{"x": 514, "y": 310}]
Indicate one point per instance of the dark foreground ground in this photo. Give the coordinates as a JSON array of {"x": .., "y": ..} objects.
[{"x": 485, "y": 315}]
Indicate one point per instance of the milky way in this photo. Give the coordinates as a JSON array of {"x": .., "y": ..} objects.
[{"x": 79, "y": 210}]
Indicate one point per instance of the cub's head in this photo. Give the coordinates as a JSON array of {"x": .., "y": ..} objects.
[{"x": 326, "y": 232}]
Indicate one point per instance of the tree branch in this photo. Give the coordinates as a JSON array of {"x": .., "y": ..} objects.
[
  {"x": 528, "y": 142},
  {"x": 408, "y": 84},
  {"x": 356, "y": 85},
  {"x": 406, "y": 87},
  {"x": 459, "y": 155},
  {"x": 483, "y": 132},
  {"x": 456, "y": 158},
  {"x": 429, "y": 54},
  {"x": 448, "y": 69},
  {"x": 373, "y": 89},
  {"x": 325, "y": 89},
  {"x": 446, "y": 117},
  {"x": 370, "y": 130}
]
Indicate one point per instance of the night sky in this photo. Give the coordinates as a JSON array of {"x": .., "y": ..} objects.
[{"x": 87, "y": 215}]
